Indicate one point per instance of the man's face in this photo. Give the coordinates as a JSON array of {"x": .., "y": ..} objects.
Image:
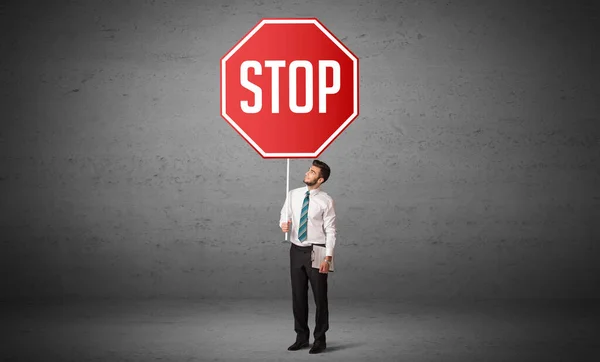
[{"x": 312, "y": 176}]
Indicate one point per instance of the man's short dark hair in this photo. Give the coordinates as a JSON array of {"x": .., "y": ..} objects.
[{"x": 325, "y": 170}]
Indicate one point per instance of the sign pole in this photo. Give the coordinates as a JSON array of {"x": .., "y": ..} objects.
[{"x": 287, "y": 191}]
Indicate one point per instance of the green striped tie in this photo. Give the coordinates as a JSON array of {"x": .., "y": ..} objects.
[{"x": 303, "y": 219}]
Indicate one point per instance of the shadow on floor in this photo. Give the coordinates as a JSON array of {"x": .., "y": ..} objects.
[{"x": 332, "y": 347}]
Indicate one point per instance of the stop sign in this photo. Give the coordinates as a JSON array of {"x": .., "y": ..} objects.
[{"x": 289, "y": 87}]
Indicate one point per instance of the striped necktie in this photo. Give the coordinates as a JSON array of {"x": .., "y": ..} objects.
[{"x": 302, "y": 230}]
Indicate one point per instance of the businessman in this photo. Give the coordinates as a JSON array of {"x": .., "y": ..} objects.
[{"x": 310, "y": 221}]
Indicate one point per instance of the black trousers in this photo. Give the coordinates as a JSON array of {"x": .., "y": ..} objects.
[{"x": 301, "y": 273}]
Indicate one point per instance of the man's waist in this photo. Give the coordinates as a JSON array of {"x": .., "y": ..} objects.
[{"x": 307, "y": 246}]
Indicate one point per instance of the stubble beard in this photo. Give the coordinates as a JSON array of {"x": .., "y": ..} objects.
[{"x": 308, "y": 183}]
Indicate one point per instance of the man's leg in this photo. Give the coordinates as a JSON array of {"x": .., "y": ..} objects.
[
  {"x": 318, "y": 284},
  {"x": 299, "y": 278}
]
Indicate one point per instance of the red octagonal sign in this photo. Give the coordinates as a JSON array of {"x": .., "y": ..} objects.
[{"x": 289, "y": 87}]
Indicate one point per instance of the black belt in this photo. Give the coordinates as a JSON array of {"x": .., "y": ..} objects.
[{"x": 309, "y": 247}]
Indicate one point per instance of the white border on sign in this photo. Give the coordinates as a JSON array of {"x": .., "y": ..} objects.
[{"x": 335, "y": 41}]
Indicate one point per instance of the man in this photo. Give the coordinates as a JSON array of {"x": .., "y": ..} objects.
[{"x": 311, "y": 221}]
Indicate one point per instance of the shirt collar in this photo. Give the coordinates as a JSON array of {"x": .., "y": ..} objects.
[{"x": 312, "y": 192}]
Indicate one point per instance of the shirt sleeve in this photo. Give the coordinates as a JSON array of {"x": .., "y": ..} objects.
[
  {"x": 329, "y": 226},
  {"x": 289, "y": 209}
]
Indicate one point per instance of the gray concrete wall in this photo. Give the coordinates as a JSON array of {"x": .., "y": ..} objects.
[{"x": 472, "y": 170}]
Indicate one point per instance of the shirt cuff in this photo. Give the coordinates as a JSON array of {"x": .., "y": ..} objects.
[{"x": 329, "y": 252}]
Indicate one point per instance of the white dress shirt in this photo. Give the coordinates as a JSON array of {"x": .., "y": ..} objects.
[{"x": 321, "y": 218}]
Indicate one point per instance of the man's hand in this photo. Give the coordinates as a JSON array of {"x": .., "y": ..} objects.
[
  {"x": 324, "y": 269},
  {"x": 285, "y": 227}
]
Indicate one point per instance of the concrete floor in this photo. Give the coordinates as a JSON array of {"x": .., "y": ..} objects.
[{"x": 261, "y": 330}]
